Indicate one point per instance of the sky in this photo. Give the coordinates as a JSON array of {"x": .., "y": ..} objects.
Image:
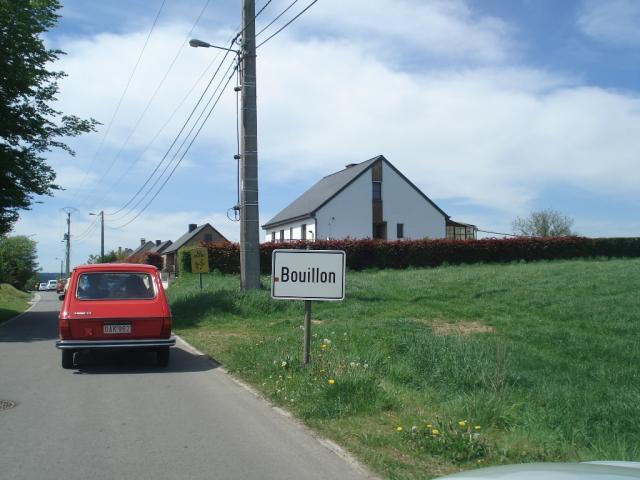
[{"x": 493, "y": 108}]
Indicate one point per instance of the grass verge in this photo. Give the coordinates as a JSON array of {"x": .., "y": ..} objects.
[
  {"x": 12, "y": 301},
  {"x": 422, "y": 372}
]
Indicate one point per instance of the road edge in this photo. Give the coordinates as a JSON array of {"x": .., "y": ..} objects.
[
  {"x": 32, "y": 303},
  {"x": 325, "y": 442}
]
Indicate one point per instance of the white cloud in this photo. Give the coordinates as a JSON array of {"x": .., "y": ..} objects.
[
  {"x": 442, "y": 28},
  {"x": 613, "y": 21},
  {"x": 494, "y": 137}
]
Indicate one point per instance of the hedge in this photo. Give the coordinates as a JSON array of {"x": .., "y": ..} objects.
[{"x": 361, "y": 254}]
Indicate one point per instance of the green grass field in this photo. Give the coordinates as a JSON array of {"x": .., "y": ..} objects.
[
  {"x": 12, "y": 302},
  {"x": 423, "y": 372}
]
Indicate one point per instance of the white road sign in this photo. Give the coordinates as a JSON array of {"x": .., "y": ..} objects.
[{"x": 308, "y": 274}]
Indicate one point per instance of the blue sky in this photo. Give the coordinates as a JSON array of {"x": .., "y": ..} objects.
[{"x": 493, "y": 108}]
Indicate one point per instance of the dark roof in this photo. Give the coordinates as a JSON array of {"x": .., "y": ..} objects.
[
  {"x": 142, "y": 248},
  {"x": 319, "y": 194},
  {"x": 161, "y": 248},
  {"x": 175, "y": 246}
]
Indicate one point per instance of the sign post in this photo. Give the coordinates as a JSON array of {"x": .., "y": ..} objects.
[
  {"x": 200, "y": 262},
  {"x": 308, "y": 275}
]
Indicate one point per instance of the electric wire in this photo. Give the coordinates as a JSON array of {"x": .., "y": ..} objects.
[
  {"x": 178, "y": 149},
  {"x": 175, "y": 140},
  {"x": 506, "y": 234},
  {"x": 277, "y": 18},
  {"x": 287, "y": 24},
  {"x": 126, "y": 88},
  {"x": 146, "y": 109},
  {"x": 88, "y": 227},
  {"x": 183, "y": 154},
  {"x": 88, "y": 231},
  {"x": 164, "y": 126}
]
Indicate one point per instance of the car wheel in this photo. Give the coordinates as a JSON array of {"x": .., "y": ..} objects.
[
  {"x": 67, "y": 358},
  {"x": 162, "y": 356}
]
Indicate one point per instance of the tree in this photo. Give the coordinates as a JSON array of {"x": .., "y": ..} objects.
[
  {"x": 545, "y": 223},
  {"x": 109, "y": 257},
  {"x": 29, "y": 125},
  {"x": 17, "y": 261}
]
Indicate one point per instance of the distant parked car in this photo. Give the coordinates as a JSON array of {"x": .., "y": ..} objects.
[
  {"x": 554, "y": 471},
  {"x": 52, "y": 284},
  {"x": 115, "y": 306},
  {"x": 42, "y": 287}
]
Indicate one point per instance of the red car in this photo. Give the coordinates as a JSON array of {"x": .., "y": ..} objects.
[{"x": 114, "y": 306}]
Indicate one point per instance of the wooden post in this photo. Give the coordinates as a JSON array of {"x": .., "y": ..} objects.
[
  {"x": 200, "y": 274},
  {"x": 307, "y": 330}
]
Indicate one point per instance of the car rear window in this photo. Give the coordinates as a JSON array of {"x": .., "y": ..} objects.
[{"x": 115, "y": 286}]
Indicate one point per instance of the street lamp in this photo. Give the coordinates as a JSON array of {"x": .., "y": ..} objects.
[
  {"x": 195, "y": 43},
  {"x": 101, "y": 213}
]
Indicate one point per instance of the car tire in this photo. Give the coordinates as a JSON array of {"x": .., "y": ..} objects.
[
  {"x": 67, "y": 359},
  {"x": 162, "y": 359}
]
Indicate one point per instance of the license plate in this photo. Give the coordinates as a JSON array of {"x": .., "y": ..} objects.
[{"x": 117, "y": 328}]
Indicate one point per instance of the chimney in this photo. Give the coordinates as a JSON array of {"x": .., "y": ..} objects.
[
  {"x": 192, "y": 227},
  {"x": 349, "y": 165},
  {"x": 158, "y": 242},
  {"x": 143, "y": 241}
]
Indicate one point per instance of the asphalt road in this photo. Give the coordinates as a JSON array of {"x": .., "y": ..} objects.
[{"x": 119, "y": 417}]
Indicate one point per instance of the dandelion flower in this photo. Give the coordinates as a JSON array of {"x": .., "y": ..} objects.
[
  {"x": 429, "y": 425},
  {"x": 323, "y": 346},
  {"x": 283, "y": 364},
  {"x": 322, "y": 370},
  {"x": 331, "y": 381},
  {"x": 398, "y": 429},
  {"x": 477, "y": 427},
  {"x": 462, "y": 423},
  {"x": 435, "y": 431}
]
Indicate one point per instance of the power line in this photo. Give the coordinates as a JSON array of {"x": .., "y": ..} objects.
[
  {"x": 287, "y": 24},
  {"x": 126, "y": 88},
  {"x": 175, "y": 140},
  {"x": 86, "y": 231},
  {"x": 148, "y": 105},
  {"x": 179, "y": 148},
  {"x": 159, "y": 177},
  {"x": 183, "y": 154},
  {"x": 277, "y": 18},
  {"x": 499, "y": 233}
]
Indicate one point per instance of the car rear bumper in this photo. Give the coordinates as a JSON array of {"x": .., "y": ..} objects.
[{"x": 133, "y": 343}]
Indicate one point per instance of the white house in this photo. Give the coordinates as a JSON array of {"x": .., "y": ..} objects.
[{"x": 371, "y": 199}]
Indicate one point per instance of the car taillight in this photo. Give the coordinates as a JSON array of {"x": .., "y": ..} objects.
[
  {"x": 65, "y": 328},
  {"x": 165, "y": 331}
]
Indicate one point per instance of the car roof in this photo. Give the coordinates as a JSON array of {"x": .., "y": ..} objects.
[{"x": 117, "y": 267}]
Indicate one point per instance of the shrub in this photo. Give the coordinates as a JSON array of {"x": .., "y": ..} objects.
[{"x": 368, "y": 253}]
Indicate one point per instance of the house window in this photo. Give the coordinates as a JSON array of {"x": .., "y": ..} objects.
[
  {"x": 273, "y": 237},
  {"x": 303, "y": 231},
  {"x": 282, "y": 235},
  {"x": 208, "y": 237},
  {"x": 400, "y": 230},
  {"x": 377, "y": 190}
]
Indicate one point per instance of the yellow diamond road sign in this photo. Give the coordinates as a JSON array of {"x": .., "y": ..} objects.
[{"x": 199, "y": 260}]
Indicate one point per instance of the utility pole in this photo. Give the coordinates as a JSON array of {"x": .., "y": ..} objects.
[
  {"x": 102, "y": 236},
  {"x": 249, "y": 217},
  {"x": 101, "y": 213},
  {"x": 67, "y": 236}
]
